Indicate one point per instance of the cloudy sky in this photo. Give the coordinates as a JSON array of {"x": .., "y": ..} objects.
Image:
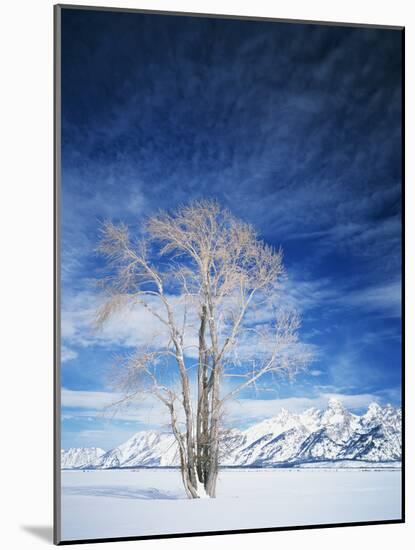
[{"x": 295, "y": 128}]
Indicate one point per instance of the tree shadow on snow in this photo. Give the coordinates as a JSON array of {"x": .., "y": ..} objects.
[{"x": 121, "y": 492}]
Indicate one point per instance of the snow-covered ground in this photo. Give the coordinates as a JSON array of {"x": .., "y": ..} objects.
[{"x": 121, "y": 503}]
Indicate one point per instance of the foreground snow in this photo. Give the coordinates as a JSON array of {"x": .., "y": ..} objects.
[{"x": 121, "y": 503}]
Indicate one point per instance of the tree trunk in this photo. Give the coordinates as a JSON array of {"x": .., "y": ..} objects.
[
  {"x": 215, "y": 411},
  {"x": 190, "y": 488},
  {"x": 187, "y": 469},
  {"x": 212, "y": 475},
  {"x": 202, "y": 418},
  {"x": 213, "y": 414},
  {"x": 189, "y": 463}
]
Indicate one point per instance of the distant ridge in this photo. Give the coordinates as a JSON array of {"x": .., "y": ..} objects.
[{"x": 76, "y": 458}]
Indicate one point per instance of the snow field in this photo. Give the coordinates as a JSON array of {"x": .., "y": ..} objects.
[{"x": 122, "y": 503}]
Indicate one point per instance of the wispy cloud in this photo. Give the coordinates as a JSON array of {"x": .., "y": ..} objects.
[
  {"x": 241, "y": 412},
  {"x": 87, "y": 399},
  {"x": 68, "y": 354},
  {"x": 384, "y": 299},
  {"x": 143, "y": 410},
  {"x": 304, "y": 294}
]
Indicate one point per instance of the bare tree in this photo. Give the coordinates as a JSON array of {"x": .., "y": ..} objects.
[{"x": 213, "y": 286}]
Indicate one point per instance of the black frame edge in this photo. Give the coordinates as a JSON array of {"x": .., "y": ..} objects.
[
  {"x": 403, "y": 281},
  {"x": 227, "y": 16},
  {"x": 56, "y": 275}
]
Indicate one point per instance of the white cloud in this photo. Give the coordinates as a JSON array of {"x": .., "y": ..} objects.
[
  {"x": 68, "y": 354},
  {"x": 87, "y": 399},
  {"x": 102, "y": 404},
  {"x": 385, "y": 298},
  {"x": 132, "y": 327},
  {"x": 80, "y": 218},
  {"x": 315, "y": 372},
  {"x": 136, "y": 326},
  {"x": 153, "y": 414},
  {"x": 303, "y": 295},
  {"x": 87, "y": 434}
]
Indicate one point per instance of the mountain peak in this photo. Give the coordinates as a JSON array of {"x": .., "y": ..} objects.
[
  {"x": 374, "y": 408},
  {"x": 284, "y": 414},
  {"x": 335, "y": 404},
  {"x": 373, "y": 413},
  {"x": 78, "y": 457}
]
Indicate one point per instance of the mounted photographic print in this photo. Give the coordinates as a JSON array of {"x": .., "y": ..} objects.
[{"x": 229, "y": 205}]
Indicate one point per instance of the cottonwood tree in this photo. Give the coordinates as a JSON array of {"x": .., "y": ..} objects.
[{"x": 213, "y": 287}]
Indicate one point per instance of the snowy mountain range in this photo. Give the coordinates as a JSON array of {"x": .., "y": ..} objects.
[
  {"x": 76, "y": 458},
  {"x": 332, "y": 434}
]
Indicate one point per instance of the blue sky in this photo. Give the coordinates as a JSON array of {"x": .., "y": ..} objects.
[{"x": 296, "y": 128}]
